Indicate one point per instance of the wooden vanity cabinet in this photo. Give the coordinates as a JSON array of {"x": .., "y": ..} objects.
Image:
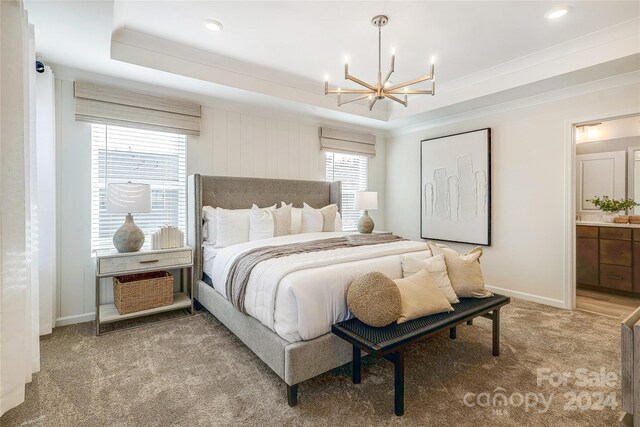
[
  {"x": 587, "y": 272},
  {"x": 608, "y": 257}
]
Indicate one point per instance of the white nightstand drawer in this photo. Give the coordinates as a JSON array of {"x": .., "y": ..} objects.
[{"x": 144, "y": 261}]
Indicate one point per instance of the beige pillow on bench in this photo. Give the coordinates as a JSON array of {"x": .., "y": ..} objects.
[
  {"x": 421, "y": 297},
  {"x": 436, "y": 266},
  {"x": 464, "y": 271}
]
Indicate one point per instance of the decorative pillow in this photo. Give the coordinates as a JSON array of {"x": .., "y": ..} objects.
[
  {"x": 316, "y": 220},
  {"x": 374, "y": 299},
  {"x": 436, "y": 266},
  {"x": 282, "y": 220},
  {"x": 464, "y": 271},
  {"x": 338, "y": 226},
  {"x": 261, "y": 224},
  {"x": 296, "y": 221},
  {"x": 233, "y": 226},
  {"x": 421, "y": 297},
  {"x": 210, "y": 219}
]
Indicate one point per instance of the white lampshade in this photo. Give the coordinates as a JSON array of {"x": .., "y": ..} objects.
[
  {"x": 128, "y": 198},
  {"x": 366, "y": 200}
]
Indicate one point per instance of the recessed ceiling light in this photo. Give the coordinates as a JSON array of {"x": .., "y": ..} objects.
[
  {"x": 556, "y": 13},
  {"x": 213, "y": 25}
]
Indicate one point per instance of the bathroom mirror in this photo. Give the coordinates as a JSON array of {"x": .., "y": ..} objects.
[{"x": 633, "y": 179}]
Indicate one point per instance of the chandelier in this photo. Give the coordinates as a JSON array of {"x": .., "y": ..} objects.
[{"x": 382, "y": 89}]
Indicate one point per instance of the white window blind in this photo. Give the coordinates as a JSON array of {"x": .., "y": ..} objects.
[
  {"x": 122, "y": 154},
  {"x": 352, "y": 171}
]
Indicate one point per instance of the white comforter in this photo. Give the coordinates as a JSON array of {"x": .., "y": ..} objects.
[{"x": 301, "y": 296}]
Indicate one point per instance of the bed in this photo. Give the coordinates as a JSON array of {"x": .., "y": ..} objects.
[{"x": 288, "y": 332}]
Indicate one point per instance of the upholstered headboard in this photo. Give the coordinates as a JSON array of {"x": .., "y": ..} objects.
[{"x": 241, "y": 193}]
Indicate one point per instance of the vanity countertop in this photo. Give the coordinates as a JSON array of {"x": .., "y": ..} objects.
[{"x": 606, "y": 224}]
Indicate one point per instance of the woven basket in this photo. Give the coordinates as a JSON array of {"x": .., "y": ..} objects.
[
  {"x": 634, "y": 219},
  {"x": 622, "y": 219},
  {"x": 137, "y": 292}
]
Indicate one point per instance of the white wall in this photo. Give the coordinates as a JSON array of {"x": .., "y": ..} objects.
[
  {"x": 233, "y": 141},
  {"x": 527, "y": 256}
]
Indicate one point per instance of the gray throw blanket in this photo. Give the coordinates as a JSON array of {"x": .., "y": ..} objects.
[{"x": 241, "y": 268}]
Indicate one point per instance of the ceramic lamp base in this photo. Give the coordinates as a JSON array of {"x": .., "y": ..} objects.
[
  {"x": 365, "y": 225},
  {"x": 129, "y": 237}
]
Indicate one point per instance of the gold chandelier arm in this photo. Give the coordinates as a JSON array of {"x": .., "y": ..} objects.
[
  {"x": 398, "y": 100},
  {"x": 409, "y": 92},
  {"x": 358, "y": 98},
  {"x": 411, "y": 82},
  {"x": 360, "y": 82},
  {"x": 391, "y": 70},
  {"x": 351, "y": 91}
]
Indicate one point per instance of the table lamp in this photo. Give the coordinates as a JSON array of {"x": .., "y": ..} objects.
[
  {"x": 128, "y": 198},
  {"x": 366, "y": 200}
]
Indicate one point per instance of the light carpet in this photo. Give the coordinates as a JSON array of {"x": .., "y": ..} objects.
[{"x": 193, "y": 372}]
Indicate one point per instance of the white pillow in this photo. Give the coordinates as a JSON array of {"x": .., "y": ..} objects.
[
  {"x": 233, "y": 226},
  {"x": 296, "y": 220},
  {"x": 436, "y": 266},
  {"x": 210, "y": 217},
  {"x": 260, "y": 223},
  {"x": 316, "y": 220}
]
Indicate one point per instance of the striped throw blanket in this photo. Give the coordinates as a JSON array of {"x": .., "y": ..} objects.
[{"x": 240, "y": 270}]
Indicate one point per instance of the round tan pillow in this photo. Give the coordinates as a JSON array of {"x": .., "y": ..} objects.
[{"x": 374, "y": 299}]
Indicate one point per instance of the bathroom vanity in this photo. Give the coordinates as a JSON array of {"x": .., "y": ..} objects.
[{"x": 608, "y": 257}]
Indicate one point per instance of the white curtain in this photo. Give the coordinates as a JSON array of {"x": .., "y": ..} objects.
[{"x": 19, "y": 294}]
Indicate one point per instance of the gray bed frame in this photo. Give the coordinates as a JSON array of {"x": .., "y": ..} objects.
[{"x": 293, "y": 362}]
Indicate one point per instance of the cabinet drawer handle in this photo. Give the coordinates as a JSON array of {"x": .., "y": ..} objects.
[
  {"x": 611, "y": 276},
  {"x": 151, "y": 261}
]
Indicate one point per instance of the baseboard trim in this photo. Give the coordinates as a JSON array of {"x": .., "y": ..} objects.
[
  {"x": 529, "y": 297},
  {"x": 78, "y": 318}
]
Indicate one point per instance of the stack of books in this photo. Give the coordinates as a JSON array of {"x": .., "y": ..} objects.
[{"x": 167, "y": 237}]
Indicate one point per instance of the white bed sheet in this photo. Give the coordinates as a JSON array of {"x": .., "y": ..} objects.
[
  {"x": 208, "y": 255},
  {"x": 301, "y": 296}
]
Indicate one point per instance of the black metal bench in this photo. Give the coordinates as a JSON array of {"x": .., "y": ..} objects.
[{"x": 389, "y": 342}]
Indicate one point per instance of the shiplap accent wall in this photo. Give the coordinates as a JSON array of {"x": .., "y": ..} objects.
[
  {"x": 240, "y": 144},
  {"x": 231, "y": 143}
]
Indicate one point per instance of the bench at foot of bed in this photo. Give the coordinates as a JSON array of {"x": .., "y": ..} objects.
[{"x": 390, "y": 341}]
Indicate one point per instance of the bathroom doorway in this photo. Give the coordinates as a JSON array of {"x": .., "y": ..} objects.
[{"x": 607, "y": 187}]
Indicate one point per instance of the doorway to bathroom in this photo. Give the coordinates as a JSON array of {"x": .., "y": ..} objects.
[{"x": 607, "y": 156}]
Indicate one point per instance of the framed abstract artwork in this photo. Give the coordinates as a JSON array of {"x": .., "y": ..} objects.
[{"x": 455, "y": 174}]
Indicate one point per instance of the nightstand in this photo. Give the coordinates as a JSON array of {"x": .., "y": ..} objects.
[{"x": 111, "y": 263}]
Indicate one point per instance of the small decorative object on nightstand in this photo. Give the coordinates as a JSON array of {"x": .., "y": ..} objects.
[
  {"x": 128, "y": 198},
  {"x": 367, "y": 200},
  {"x": 111, "y": 263}
]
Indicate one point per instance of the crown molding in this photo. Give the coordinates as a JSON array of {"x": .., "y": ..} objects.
[{"x": 628, "y": 79}]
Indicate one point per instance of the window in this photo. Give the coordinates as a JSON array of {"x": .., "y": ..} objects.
[
  {"x": 120, "y": 154},
  {"x": 352, "y": 171}
]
